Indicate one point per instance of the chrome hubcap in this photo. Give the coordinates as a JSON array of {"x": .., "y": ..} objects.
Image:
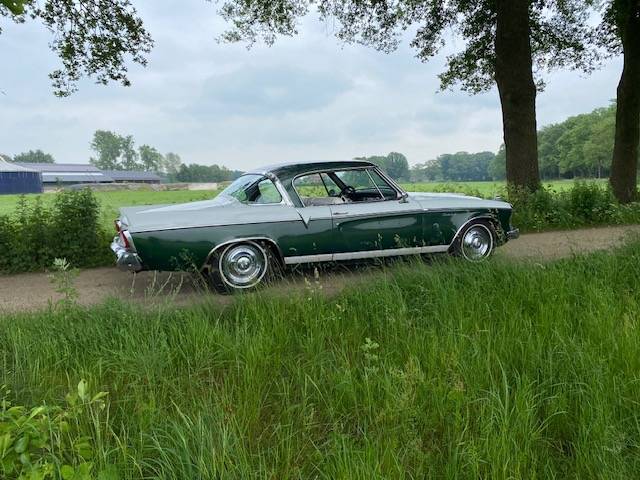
[
  {"x": 243, "y": 266},
  {"x": 477, "y": 243}
]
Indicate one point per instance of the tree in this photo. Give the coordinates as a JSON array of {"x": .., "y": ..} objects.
[
  {"x": 205, "y": 173},
  {"x": 620, "y": 31},
  {"x": 108, "y": 146},
  {"x": 128, "y": 154},
  {"x": 504, "y": 40},
  {"x": 34, "y": 156},
  {"x": 150, "y": 158},
  {"x": 460, "y": 167},
  {"x": 171, "y": 163},
  {"x": 394, "y": 164},
  {"x": 92, "y": 38}
]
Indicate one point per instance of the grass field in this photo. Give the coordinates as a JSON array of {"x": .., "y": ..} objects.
[
  {"x": 450, "y": 370},
  {"x": 112, "y": 201},
  {"x": 486, "y": 189}
]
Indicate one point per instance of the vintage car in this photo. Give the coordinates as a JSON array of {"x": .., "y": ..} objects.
[{"x": 290, "y": 214}]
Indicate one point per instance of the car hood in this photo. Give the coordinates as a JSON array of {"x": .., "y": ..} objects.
[
  {"x": 448, "y": 201},
  {"x": 216, "y": 212}
]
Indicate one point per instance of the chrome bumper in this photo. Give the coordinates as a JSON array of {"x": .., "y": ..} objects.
[
  {"x": 125, "y": 259},
  {"x": 513, "y": 234}
]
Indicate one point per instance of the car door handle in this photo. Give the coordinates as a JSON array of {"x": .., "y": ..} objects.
[{"x": 340, "y": 213}]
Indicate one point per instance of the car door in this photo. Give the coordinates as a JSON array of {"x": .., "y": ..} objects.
[{"x": 381, "y": 221}]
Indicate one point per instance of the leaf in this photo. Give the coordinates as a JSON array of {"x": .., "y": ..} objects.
[
  {"x": 99, "y": 396},
  {"x": 82, "y": 390},
  {"x": 5, "y": 443},
  {"x": 15, "y": 6},
  {"x": 22, "y": 444},
  {"x": 67, "y": 472}
]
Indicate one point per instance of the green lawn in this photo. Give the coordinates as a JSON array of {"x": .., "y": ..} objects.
[
  {"x": 451, "y": 370},
  {"x": 486, "y": 189},
  {"x": 112, "y": 201}
]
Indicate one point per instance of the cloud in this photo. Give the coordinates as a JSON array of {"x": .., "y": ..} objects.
[{"x": 305, "y": 98}]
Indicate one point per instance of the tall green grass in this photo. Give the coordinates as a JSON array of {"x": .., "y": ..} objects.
[{"x": 495, "y": 370}]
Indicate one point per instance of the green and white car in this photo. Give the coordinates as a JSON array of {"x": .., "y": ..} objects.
[{"x": 290, "y": 214}]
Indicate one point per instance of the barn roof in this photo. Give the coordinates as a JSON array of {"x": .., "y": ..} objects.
[
  {"x": 132, "y": 176},
  {"x": 69, "y": 172},
  {"x": 6, "y": 166}
]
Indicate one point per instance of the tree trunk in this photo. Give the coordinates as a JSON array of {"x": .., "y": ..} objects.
[
  {"x": 514, "y": 77},
  {"x": 624, "y": 166}
]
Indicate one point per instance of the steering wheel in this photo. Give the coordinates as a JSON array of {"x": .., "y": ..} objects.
[{"x": 347, "y": 191}]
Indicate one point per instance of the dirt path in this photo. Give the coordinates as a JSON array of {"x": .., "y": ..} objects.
[{"x": 34, "y": 290}]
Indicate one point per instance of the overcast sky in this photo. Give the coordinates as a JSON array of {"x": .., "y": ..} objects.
[{"x": 305, "y": 98}]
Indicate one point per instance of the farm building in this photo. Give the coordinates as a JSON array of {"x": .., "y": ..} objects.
[
  {"x": 61, "y": 174},
  {"x": 18, "y": 179},
  {"x": 131, "y": 176}
]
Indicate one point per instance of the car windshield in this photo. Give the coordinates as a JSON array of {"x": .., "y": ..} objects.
[{"x": 253, "y": 188}]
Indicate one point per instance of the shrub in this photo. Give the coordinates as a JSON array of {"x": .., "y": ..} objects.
[
  {"x": 34, "y": 235},
  {"x": 46, "y": 441},
  {"x": 585, "y": 204}
]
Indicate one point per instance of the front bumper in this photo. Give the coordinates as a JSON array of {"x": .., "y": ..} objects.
[
  {"x": 513, "y": 234},
  {"x": 125, "y": 259}
]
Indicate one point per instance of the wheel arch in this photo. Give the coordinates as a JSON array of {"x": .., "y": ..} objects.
[
  {"x": 267, "y": 242},
  {"x": 485, "y": 217}
]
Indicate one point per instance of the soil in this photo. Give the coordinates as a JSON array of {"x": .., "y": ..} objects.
[{"x": 32, "y": 291}]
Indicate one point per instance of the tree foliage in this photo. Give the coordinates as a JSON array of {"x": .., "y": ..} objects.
[
  {"x": 559, "y": 33},
  {"x": 394, "y": 164},
  {"x": 118, "y": 152},
  {"x": 34, "y": 156},
  {"x": 503, "y": 43},
  {"x": 460, "y": 167},
  {"x": 579, "y": 147},
  {"x": 205, "y": 173},
  {"x": 92, "y": 38}
]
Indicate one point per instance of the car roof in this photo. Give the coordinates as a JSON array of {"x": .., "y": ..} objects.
[{"x": 289, "y": 170}]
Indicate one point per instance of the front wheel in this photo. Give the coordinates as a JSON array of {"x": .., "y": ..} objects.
[
  {"x": 476, "y": 242},
  {"x": 238, "y": 266}
]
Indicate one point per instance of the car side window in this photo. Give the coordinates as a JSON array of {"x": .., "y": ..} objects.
[
  {"x": 252, "y": 188},
  {"x": 357, "y": 185},
  {"x": 317, "y": 189},
  {"x": 385, "y": 188},
  {"x": 266, "y": 193}
]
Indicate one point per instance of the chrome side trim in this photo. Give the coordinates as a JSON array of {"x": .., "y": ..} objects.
[
  {"x": 382, "y": 214},
  {"x": 214, "y": 226},
  {"x": 391, "y": 252},
  {"x": 327, "y": 257}
]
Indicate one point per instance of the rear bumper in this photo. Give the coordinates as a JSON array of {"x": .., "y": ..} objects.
[
  {"x": 513, "y": 234},
  {"x": 125, "y": 259}
]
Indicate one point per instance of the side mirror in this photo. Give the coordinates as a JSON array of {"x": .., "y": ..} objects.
[{"x": 403, "y": 197}]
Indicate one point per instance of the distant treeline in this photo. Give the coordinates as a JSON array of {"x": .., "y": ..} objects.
[
  {"x": 203, "y": 173},
  {"x": 579, "y": 147}
]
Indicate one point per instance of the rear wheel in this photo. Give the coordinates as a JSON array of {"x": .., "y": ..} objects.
[
  {"x": 238, "y": 266},
  {"x": 476, "y": 242}
]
